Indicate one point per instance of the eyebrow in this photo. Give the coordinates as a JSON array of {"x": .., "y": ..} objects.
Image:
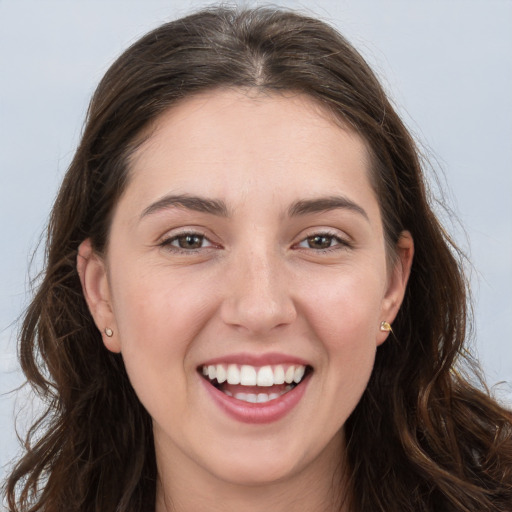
[
  {"x": 218, "y": 207},
  {"x": 195, "y": 203},
  {"x": 322, "y": 204}
]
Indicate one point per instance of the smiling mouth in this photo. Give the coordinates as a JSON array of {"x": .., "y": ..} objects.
[{"x": 254, "y": 384}]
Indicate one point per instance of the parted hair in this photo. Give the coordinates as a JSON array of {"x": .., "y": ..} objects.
[{"x": 425, "y": 437}]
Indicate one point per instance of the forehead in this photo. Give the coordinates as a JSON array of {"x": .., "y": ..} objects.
[{"x": 237, "y": 140}]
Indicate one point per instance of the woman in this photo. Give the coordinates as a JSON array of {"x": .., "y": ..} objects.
[{"x": 248, "y": 302}]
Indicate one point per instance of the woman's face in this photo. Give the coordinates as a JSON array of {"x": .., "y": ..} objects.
[{"x": 247, "y": 246}]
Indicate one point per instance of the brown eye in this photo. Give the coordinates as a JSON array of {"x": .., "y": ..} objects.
[
  {"x": 189, "y": 241},
  {"x": 320, "y": 241}
]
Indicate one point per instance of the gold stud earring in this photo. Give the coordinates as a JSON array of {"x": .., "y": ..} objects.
[
  {"x": 385, "y": 327},
  {"x": 109, "y": 332}
]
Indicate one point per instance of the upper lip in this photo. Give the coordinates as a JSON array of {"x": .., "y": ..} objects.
[{"x": 257, "y": 360}]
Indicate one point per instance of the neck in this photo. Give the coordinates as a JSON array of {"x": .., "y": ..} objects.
[{"x": 319, "y": 487}]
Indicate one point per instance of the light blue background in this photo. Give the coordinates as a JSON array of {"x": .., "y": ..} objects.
[{"x": 447, "y": 64}]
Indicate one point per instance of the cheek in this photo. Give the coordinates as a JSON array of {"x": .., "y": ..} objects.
[
  {"x": 157, "y": 304},
  {"x": 346, "y": 308},
  {"x": 158, "y": 317},
  {"x": 345, "y": 317}
]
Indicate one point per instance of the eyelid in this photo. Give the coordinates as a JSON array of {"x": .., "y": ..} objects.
[
  {"x": 344, "y": 241},
  {"x": 166, "y": 240}
]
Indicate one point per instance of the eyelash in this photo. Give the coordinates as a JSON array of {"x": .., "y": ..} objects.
[
  {"x": 340, "y": 243},
  {"x": 167, "y": 242}
]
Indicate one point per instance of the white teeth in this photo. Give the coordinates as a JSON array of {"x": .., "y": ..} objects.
[
  {"x": 233, "y": 375},
  {"x": 298, "y": 374},
  {"x": 248, "y": 375},
  {"x": 290, "y": 373},
  {"x": 279, "y": 375},
  {"x": 259, "y": 398},
  {"x": 221, "y": 374},
  {"x": 265, "y": 376}
]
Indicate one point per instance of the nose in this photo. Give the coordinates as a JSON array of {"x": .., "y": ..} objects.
[{"x": 258, "y": 296}]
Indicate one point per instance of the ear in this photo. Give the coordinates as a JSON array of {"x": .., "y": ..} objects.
[
  {"x": 95, "y": 287},
  {"x": 397, "y": 284}
]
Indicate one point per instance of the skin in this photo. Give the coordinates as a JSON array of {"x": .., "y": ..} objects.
[{"x": 257, "y": 283}]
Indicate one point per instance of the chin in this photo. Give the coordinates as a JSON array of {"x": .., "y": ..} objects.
[
  {"x": 261, "y": 469},
  {"x": 250, "y": 475}
]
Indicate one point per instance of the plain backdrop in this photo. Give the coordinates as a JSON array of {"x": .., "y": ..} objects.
[{"x": 446, "y": 64}]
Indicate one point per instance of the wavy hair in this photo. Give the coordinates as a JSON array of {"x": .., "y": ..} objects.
[{"x": 423, "y": 438}]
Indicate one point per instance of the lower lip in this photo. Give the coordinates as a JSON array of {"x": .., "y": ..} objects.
[{"x": 266, "y": 412}]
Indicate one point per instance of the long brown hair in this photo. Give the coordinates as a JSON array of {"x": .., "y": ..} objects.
[{"x": 422, "y": 438}]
